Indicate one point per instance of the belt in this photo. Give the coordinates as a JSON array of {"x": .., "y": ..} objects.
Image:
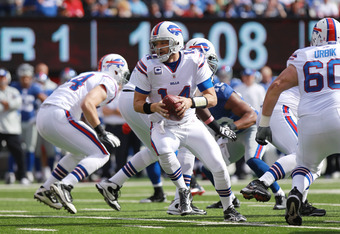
[{"x": 127, "y": 90}]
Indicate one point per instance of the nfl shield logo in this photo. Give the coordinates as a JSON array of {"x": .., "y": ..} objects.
[{"x": 158, "y": 70}]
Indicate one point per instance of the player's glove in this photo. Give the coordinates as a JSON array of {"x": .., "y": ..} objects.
[
  {"x": 225, "y": 131},
  {"x": 263, "y": 135},
  {"x": 109, "y": 140}
]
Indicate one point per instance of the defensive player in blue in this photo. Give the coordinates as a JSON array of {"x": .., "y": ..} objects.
[
  {"x": 239, "y": 116},
  {"x": 30, "y": 93}
]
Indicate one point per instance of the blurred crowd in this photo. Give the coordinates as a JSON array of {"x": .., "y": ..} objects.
[{"x": 172, "y": 8}]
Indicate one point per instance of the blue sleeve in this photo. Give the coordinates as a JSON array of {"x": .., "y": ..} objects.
[
  {"x": 205, "y": 85},
  {"x": 223, "y": 91},
  {"x": 141, "y": 91},
  {"x": 36, "y": 89}
]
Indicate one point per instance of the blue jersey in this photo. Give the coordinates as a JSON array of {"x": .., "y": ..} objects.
[
  {"x": 223, "y": 93},
  {"x": 29, "y": 97}
]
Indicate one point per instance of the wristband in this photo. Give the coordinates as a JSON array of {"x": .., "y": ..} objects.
[
  {"x": 264, "y": 121},
  {"x": 99, "y": 129},
  {"x": 147, "y": 108},
  {"x": 232, "y": 126},
  {"x": 199, "y": 102},
  {"x": 214, "y": 126},
  {"x": 209, "y": 120}
]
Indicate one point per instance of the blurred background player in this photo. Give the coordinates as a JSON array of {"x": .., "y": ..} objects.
[
  {"x": 225, "y": 75},
  {"x": 30, "y": 92},
  {"x": 89, "y": 145},
  {"x": 45, "y": 153},
  {"x": 67, "y": 74},
  {"x": 10, "y": 126},
  {"x": 251, "y": 92}
]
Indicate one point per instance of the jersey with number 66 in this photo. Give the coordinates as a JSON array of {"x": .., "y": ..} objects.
[
  {"x": 70, "y": 95},
  {"x": 318, "y": 69}
]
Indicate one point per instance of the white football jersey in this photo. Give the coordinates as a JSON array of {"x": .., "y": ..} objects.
[
  {"x": 318, "y": 69},
  {"x": 152, "y": 77},
  {"x": 70, "y": 95}
]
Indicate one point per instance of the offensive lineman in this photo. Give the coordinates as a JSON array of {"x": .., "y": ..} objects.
[
  {"x": 315, "y": 71},
  {"x": 283, "y": 125},
  {"x": 89, "y": 147}
]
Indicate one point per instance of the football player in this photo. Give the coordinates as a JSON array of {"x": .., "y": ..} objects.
[
  {"x": 283, "y": 124},
  {"x": 31, "y": 93},
  {"x": 140, "y": 124},
  {"x": 89, "y": 146},
  {"x": 314, "y": 70},
  {"x": 172, "y": 71}
]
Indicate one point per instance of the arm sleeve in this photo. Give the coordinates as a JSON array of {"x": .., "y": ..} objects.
[
  {"x": 140, "y": 79},
  {"x": 111, "y": 87}
]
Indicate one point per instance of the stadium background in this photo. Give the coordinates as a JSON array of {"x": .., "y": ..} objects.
[{"x": 78, "y": 43}]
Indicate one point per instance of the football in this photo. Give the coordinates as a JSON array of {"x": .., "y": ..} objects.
[{"x": 171, "y": 105}]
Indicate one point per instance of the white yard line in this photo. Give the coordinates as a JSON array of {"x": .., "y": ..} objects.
[
  {"x": 38, "y": 229},
  {"x": 13, "y": 211},
  {"x": 140, "y": 226},
  {"x": 203, "y": 223}
]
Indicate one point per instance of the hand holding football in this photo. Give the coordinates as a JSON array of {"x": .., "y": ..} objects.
[{"x": 171, "y": 105}]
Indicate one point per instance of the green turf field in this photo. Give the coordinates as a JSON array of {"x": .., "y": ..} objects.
[{"x": 20, "y": 213}]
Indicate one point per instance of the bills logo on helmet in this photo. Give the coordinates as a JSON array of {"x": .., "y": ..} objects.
[
  {"x": 201, "y": 47},
  {"x": 174, "y": 29},
  {"x": 118, "y": 62}
]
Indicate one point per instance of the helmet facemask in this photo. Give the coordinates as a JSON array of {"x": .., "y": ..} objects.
[
  {"x": 171, "y": 48},
  {"x": 213, "y": 63}
]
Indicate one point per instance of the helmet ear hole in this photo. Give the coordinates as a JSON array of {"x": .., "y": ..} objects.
[{"x": 116, "y": 72}]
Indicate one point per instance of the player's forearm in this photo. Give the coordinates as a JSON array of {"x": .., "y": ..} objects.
[
  {"x": 210, "y": 95},
  {"x": 203, "y": 113},
  {"x": 90, "y": 113},
  {"x": 271, "y": 98},
  {"x": 247, "y": 120}
]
